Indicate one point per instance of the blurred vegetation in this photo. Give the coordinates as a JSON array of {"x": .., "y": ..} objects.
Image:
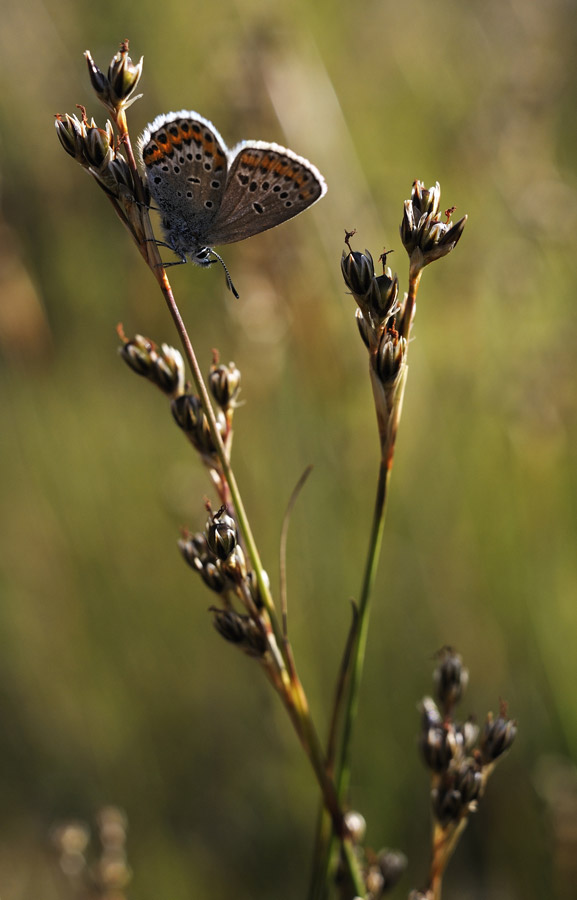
[{"x": 114, "y": 687}]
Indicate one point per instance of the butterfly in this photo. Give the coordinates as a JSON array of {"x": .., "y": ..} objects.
[{"x": 209, "y": 195}]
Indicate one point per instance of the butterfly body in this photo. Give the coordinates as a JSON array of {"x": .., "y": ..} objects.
[{"x": 209, "y": 195}]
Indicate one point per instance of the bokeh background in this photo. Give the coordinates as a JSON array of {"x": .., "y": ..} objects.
[{"x": 114, "y": 687}]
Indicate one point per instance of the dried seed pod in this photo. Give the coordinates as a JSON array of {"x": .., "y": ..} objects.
[
  {"x": 224, "y": 384},
  {"x": 451, "y": 679},
  {"x": 497, "y": 736},
  {"x": 221, "y": 534},
  {"x": 241, "y": 630},
  {"x": 424, "y": 235}
]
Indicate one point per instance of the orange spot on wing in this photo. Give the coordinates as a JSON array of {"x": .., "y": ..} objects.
[
  {"x": 158, "y": 150},
  {"x": 275, "y": 166}
]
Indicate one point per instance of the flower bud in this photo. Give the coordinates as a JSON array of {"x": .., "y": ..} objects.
[
  {"x": 375, "y": 295},
  {"x": 71, "y": 133},
  {"x": 390, "y": 357},
  {"x": 254, "y": 588},
  {"x": 451, "y": 679},
  {"x": 366, "y": 331},
  {"x": 467, "y": 733},
  {"x": 456, "y": 794},
  {"x": 98, "y": 79},
  {"x": 358, "y": 271},
  {"x": 123, "y": 75},
  {"x": 497, "y": 736},
  {"x": 392, "y": 864},
  {"x": 356, "y": 826},
  {"x": 98, "y": 145},
  {"x": 164, "y": 367},
  {"x": 194, "y": 549},
  {"x": 124, "y": 177},
  {"x": 213, "y": 577},
  {"x": 221, "y": 534},
  {"x": 424, "y": 235},
  {"x": 439, "y": 747},
  {"x": 114, "y": 90},
  {"x": 189, "y": 415},
  {"x": 234, "y": 566},
  {"x": 430, "y": 715},
  {"x": 241, "y": 630},
  {"x": 224, "y": 384}
]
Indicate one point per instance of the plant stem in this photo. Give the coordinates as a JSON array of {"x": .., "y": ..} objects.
[
  {"x": 445, "y": 841},
  {"x": 388, "y": 417},
  {"x": 351, "y": 704},
  {"x": 326, "y": 839},
  {"x": 220, "y": 448},
  {"x": 290, "y": 688}
]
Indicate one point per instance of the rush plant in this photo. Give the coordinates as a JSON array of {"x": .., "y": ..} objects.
[{"x": 459, "y": 756}]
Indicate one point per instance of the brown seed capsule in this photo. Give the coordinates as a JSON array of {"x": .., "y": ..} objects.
[
  {"x": 221, "y": 534},
  {"x": 451, "y": 679},
  {"x": 496, "y": 737},
  {"x": 423, "y": 233},
  {"x": 224, "y": 384}
]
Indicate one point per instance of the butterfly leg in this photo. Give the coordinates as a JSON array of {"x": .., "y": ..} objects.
[{"x": 164, "y": 265}]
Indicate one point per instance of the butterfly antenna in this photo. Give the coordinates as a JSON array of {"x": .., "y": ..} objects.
[{"x": 229, "y": 283}]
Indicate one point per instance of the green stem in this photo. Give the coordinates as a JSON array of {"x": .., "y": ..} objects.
[
  {"x": 326, "y": 840},
  {"x": 325, "y": 848},
  {"x": 352, "y": 700},
  {"x": 292, "y": 692}
]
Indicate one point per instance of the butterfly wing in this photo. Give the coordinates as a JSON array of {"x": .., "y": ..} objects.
[
  {"x": 185, "y": 161},
  {"x": 266, "y": 185}
]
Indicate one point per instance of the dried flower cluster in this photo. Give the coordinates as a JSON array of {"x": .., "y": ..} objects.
[
  {"x": 383, "y": 320},
  {"x": 106, "y": 153},
  {"x": 459, "y": 756}
]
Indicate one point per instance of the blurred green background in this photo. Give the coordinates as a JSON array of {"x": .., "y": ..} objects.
[{"x": 114, "y": 687}]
